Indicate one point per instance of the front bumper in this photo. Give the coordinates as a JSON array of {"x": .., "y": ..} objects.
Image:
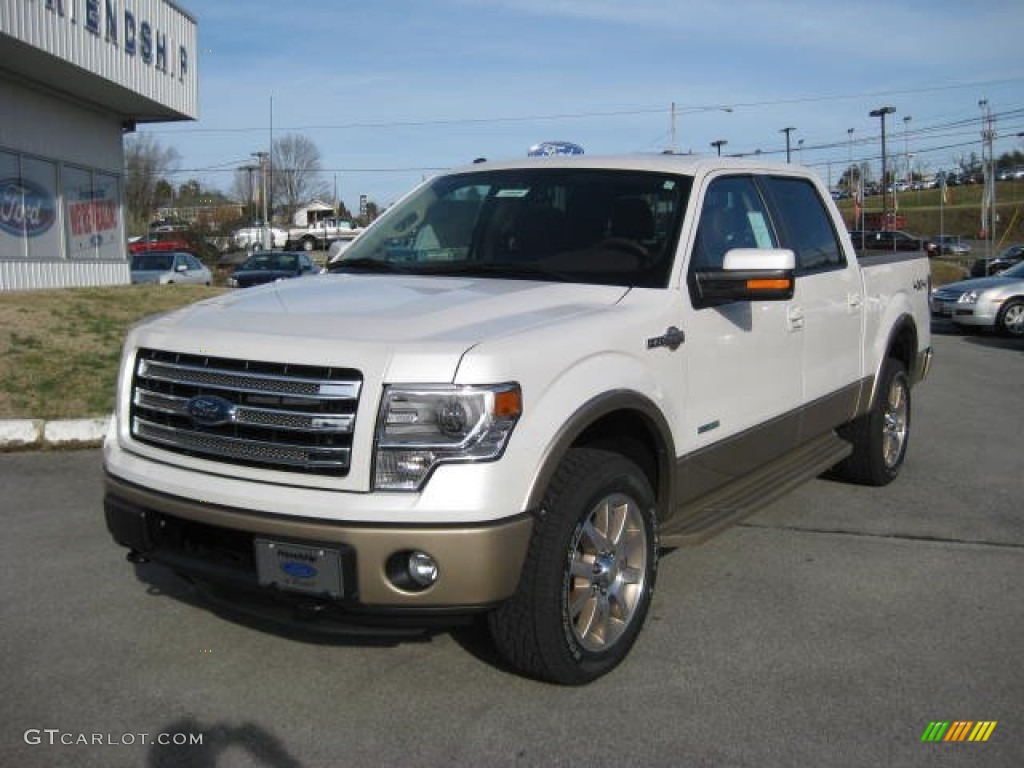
[
  {"x": 478, "y": 566},
  {"x": 982, "y": 314}
]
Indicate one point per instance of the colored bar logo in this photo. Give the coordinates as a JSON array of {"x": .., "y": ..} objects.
[{"x": 959, "y": 730}]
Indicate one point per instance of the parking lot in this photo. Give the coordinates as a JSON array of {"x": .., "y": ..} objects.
[{"x": 830, "y": 629}]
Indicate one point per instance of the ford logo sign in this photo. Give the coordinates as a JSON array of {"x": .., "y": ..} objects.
[
  {"x": 299, "y": 570},
  {"x": 547, "y": 148},
  {"x": 210, "y": 410},
  {"x": 26, "y": 209}
]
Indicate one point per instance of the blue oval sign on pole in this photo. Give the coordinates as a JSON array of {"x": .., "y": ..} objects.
[{"x": 547, "y": 148}]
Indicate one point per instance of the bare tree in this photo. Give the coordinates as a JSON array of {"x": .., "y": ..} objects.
[
  {"x": 146, "y": 162},
  {"x": 296, "y": 172}
]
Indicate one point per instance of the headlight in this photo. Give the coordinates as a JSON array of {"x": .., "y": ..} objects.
[
  {"x": 971, "y": 297},
  {"x": 420, "y": 427}
]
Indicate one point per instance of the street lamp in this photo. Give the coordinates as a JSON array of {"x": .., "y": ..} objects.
[
  {"x": 882, "y": 112},
  {"x": 787, "y": 131},
  {"x": 718, "y": 144},
  {"x": 800, "y": 150}
]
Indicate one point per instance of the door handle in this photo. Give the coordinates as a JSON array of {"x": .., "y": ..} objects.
[
  {"x": 854, "y": 300},
  {"x": 795, "y": 318}
]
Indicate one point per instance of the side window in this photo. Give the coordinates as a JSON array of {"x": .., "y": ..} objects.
[
  {"x": 733, "y": 216},
  {"x": 804, "y": 224}
]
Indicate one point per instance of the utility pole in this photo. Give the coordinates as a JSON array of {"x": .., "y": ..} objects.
[
  {"x": 250, "y": 214},
  {"x": 718, "y": 144},
  {"x": 787, "y": 131},
  {"x": 988, "y": 164},
  {"x": 263, "y": 157},
  {"x": 882, "y": 112},
  {"x": 906, "y": 146}
]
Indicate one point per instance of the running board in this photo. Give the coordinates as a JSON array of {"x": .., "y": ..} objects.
[{"x": 699, "y": 520}]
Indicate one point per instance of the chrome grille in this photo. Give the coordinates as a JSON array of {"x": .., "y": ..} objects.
[{"x": 293, "y": 418}]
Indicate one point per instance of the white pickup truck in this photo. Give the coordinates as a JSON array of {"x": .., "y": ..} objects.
[
  {"x": 516, "y": 387},
  {"x": 320, "y": 234}
]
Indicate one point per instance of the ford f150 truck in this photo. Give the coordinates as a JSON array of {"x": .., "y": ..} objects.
[{"x": 505, "y": 397}]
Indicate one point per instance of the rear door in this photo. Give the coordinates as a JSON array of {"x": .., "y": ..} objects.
[{"x": 827, "y": 306}]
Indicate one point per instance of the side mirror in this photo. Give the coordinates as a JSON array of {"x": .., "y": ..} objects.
[
  {"x": 181, "y": 268},
  {"x": 748, "y": 274}
]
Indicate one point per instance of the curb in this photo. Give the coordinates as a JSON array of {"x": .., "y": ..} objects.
[{"x": 26, "y": 434}]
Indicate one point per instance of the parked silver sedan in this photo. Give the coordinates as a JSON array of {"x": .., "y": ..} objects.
[
  {"x": 167, "y": 267},
  {"x": 986, "y": 302}
]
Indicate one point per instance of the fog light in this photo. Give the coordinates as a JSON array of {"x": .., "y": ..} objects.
[{"x": 422, "y": 568}]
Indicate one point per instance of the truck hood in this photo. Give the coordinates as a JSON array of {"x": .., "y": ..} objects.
[{"x": 408, "y": 328}]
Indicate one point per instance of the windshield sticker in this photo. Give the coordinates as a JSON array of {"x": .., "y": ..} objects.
[
  {"x": 669, "y": 185},
  {"x": 512, "y": 192}
]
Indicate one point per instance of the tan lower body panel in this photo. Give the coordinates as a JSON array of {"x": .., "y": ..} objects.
[{"x": 478, "y": 565}]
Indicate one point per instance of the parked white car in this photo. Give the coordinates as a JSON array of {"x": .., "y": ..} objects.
[
  {"x": 251, "y": 238},
  {"x": 985, "y": 302}
]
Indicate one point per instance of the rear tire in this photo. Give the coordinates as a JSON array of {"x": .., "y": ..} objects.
[
  {"x": 880, "y": 436},
  {"x": 589, "y": 573}
]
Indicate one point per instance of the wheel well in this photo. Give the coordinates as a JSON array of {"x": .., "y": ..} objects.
[
  {"x": 903, "y": 343},
  {"x": 628, "y": 433}
]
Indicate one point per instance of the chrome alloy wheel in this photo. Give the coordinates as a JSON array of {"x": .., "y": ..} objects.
[
  {"x": 606, "y": 572},
  {"x": 895, "y": 422}
]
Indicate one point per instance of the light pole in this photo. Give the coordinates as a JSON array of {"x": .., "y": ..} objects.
[
  {"x": 800, "y": 150},
  {"x": 718, "y": 144},
  {"x": 787, "y": 131},
  {"x": 882, "y": 112}
]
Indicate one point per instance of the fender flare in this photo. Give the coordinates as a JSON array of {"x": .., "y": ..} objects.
[{"x": 588, "y": 414}]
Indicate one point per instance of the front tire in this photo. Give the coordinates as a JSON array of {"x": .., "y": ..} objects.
[
  {"x": 1011, "y": 318},
  {"x": 880, "y": 436},
  {"x": 589, "y": 574}
]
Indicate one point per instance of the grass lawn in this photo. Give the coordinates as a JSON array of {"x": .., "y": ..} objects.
[{"x": 59, "y": 349}]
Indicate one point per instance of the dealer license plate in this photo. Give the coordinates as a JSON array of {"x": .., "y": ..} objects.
[{"x": 299, "y": 568}]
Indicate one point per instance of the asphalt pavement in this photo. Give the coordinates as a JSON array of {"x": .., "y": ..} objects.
[{"x": 830, "y": 629}]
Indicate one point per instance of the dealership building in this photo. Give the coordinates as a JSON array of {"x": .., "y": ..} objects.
[{"x": 75, "y": 76}]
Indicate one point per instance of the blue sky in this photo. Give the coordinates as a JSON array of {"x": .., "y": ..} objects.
[{"x": 392, "y": 90}]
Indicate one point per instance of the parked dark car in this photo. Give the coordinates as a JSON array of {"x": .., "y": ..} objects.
[
  {"x": 1008, "y": 258},
  {"x": 268, "y": 266},
  {"x": 890, "y": 240}
]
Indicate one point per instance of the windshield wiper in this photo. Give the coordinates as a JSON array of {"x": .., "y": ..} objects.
[{"x": 365, "y": 264}]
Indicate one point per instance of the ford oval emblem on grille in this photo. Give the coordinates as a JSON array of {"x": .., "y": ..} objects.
[
  {"x": 210, "y": 410},
  {"x": 299, "y": 570}
]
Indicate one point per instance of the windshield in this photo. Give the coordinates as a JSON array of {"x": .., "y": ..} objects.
[
  {"x": 573, "y": 225},
  {"x": 152, "y": 262},
  {"x": 1016, "y": 271}
]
